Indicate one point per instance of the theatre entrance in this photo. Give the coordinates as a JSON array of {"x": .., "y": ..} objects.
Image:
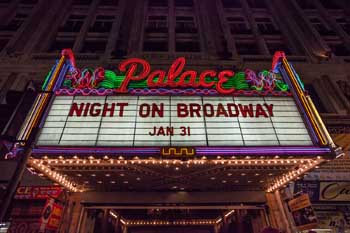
[{"x": 173, "y": 219}]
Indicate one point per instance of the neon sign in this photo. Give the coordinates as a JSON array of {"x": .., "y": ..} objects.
[{"x": 137, "y": 73}]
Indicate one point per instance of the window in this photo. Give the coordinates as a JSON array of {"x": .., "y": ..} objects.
[
  {"x": 15, "y": 23},
  {"x": 73, "y": 24},
  {"x": 247, "y": 48},
  {"x": 339, "y": 48},
  {"x": 29, "y": 2},
  {"x": 157, "y": 24},
  {"x": 231, "y": 3},
  {"x": 185, "y": 24},
  {"x": 321, "y": 27},
  {"x": 94, "y": 47},
  {"x": 345, "y": 24},
  {"x": 238, "y": 25},
  {"x": 187, "y": 46},
  {"x": 278, "y": 45},
  {"x": 103, "y": 23},
  {"x": 58, "y": 45},
  {"x": 183, "y": 3},
  {"x": 82, "y": 2},
  {"x": 315, "y": 99},
  {"x": 257, "y": 3},
  {"x": 330, "y": 4},
  {"x": 3, "y": 43},
  {"x": 155, "y": 46},
  {"x": 266, "y": 26},
  {"x": 345, "y": 88},
  {"x": 158, "y": 3},
  {"x": 306, "y": 4},
  {"x": 108, "y": 2}
]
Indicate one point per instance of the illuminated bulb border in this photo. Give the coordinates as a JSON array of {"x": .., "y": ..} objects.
[
  {"x": 305, "y": 165},
  {"x": 293, "y": 175},
  {"x": 239, "y": 162},
  {"x": 55, "y": 176}
]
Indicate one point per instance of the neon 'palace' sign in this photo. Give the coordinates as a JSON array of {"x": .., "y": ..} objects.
[{"x": 138, "y": 73}]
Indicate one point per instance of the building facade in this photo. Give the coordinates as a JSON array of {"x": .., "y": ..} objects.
[{"x": 210, "y": 34}]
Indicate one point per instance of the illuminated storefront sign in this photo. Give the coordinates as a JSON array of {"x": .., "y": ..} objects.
[
  {"x": 173, "y": 121},
  {"x": 335, "y": 191},
  {"x": 139, "y": 110}
]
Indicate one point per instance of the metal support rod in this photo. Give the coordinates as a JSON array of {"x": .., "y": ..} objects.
[{"x": 15, "y": 180}]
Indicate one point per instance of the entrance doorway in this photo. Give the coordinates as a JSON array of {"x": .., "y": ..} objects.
[{"x": 172, "y": 219}]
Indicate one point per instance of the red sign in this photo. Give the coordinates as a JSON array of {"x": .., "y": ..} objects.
[
  {"x": 166, "y": 78},
  {"x": 38, "y": 192},
  {"x": 51, "y": 216}
]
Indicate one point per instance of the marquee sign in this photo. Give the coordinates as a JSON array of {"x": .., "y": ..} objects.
[{"x": 137, "y": 110}]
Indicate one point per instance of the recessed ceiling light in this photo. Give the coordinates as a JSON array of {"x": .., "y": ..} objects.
[
  {"x": 79, "y": 175},
  {"x": 122, "y": 174},
  {"x": 174, "y": 187},
  {"x": 182, "y": 189},
  {"x": 229, "y": 174},
  {"x": 108, "y": 175},
  {"x": 86, "y": 182},
  {"x": 99, "y": 182},
  {"x": 224, "y": 181},
  {"x": 93, "y": 175},
  {"x": 257, "y": 174},
  {"x": 249, "y": 181},
  {"x": 261, "y": 181},
  {"x": 243, "y": 174},
  {"x": 212, "y": 178},
  {"x": 138, "y": 178},
  {"x": 112, "y": 182},
  {"x": 270, "y": 174},
  {"x": 177, "y": 168},
  {"x": 236, "y": 181},
  {"x": 125, "y": 182}
]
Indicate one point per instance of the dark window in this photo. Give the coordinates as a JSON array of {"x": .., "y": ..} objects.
[
  {"x": 94, "y": 47},
  {"x": 58, "y": 45},
  {"x": 103, "y": 23},
  {"x": 158, "y": 3},
  {"x": 231, "y": 3},
  {"x": 3, "y": 43},
  {"x": 247, "y": 48},
  {"x": 187, "y": 46},
  {"x": 155, "y": 46},
  {"x": 108, "y": 2},
  {"x": 339, "y": 49},
  {"x": 257, "y": 3},
  {"x": 82, "y": 2},
  {"x": 315, "y": 99},
  {"x": 345, "y": 88},
  {"x": 330, "y": 4},
  {"x": 29, "y": 2},
  {"x": 266, "y": 26},
  {"x": 73, "y": 24},
  {"x": 345, "y": 24},
  {"x": 15, "y": 23},
  {"x": 183, "y": 3},
  {"x": 321, "y": 27},
  {"x": 185, "y": 24},
  {"x": 274, "y": 46},
  {"x": 306, "y": 4},
  {"x": 238, "y": 25},
  {"x": 157, "y": 24}
]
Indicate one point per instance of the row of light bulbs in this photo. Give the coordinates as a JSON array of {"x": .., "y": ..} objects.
[
  {"x": 307, "y": 164},
  {"x": 292, "y": 175},
  {"x": 158, "y": 223},
  {"x": 174, "y": 162},
  {"x": 55, "y": 176}
]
